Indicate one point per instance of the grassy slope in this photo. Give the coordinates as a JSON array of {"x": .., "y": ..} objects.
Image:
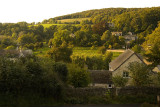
[
  {"x": 48, "y": 25},
  {"x": 72, "y": 20}
]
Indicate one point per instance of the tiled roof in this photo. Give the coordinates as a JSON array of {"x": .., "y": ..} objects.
[
  {"x": 122, "y": 58},
  {"x": 101, "y": 76}
]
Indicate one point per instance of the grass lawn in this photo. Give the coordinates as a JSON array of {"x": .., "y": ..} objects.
[{"x": 77, "y": 51}]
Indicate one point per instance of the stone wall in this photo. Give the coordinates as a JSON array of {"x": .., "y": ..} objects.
[
  {"x": 135, "y": 91},
  {"x": 94, "y": 91},
  {"x": 87, "y": 92}
]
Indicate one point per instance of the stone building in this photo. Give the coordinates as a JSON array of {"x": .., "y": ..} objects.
[
  {"x": 116, "y": 33},
  {"x": 120, "y": 64}
]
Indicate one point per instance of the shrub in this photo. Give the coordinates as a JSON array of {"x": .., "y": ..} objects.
[
  {"x": 147, "y": 105},
  {"x": 10, "y": 47},
  {"x": 102, "y": 50},
  {"x": 29, "y": 75},
  {"x": 61, "y": 69},
  {"x": 119, "y": 81},
  {"x": 78, "y": 77}
]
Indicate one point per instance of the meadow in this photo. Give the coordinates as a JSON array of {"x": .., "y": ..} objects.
[
  {"x": 49, "y": 25},
  {"x": 73, "y": 20},
  {"x": 77, "y": 51}
]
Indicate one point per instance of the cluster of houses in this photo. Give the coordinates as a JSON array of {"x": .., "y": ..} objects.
[
  {"x": 119, "y": 66},
  {"x": 128, "y": 37}
]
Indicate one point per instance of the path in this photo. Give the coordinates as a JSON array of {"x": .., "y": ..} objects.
[{"x": 116, "y": 50}]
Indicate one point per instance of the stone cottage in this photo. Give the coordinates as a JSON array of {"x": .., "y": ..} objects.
[{"x": 120, "y": 64}]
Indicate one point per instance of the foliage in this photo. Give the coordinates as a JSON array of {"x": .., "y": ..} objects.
[
  {"x": 139, "y": 74},
  {"x": 61, "y": 53},
  {"x": 100, "y": 27},
  {"x": 102, "y": 50},
  {"x": 60, "y": 37},
  {"x": 29, "y": 75},
  {"x": 119, "y": 81},
  {"x": 136, "y": 48},
  {"x": 61, "y": 69},
  {"x": 93, "y": 62},
  {"x": 78, "y": 77},
  {"x": 106, "y": 35},
  {"x": 145, "y": 104},
  {"x": 10, "y": 47},
  {"x": 153, "y": 54},
  {"x": 151, "y": 45}
]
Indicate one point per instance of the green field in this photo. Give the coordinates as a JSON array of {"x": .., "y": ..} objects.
[
  {"x": 72, "y": 20},
  {"x": 87, "y": 51},
  {"x": 48, "y": 25},
  {"x": 77, "y": 51}
]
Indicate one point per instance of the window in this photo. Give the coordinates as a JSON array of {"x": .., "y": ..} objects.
[{"x": 125, "y": 74}]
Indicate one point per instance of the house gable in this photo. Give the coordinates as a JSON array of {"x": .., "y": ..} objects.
[{"x": 124, "y": 66}]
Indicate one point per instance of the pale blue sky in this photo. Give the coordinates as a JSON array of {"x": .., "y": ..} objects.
[{"x": 38, "y": 10}]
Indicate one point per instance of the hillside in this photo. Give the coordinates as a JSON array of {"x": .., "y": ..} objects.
[
  {"x": 84, "y": 29},
  {"x": 135, "y": 20}
]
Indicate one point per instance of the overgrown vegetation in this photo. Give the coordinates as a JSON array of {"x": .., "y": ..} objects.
[{"x": 73, "y": 43}]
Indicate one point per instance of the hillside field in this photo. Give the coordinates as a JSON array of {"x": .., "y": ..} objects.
[
  {"x": 72, "y": 20},
  {"x": 77, "y": 51},
  {"x": 49, "y": 25}
]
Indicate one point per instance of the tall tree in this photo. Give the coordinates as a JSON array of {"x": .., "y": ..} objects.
[{"x": 100, "y": 27}]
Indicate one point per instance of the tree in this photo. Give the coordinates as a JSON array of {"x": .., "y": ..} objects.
[
  {"x": 61, "y": 53},
  {"x": 60, "y": 37},
  {"x": 100, "y": 27},
  {"x": 139, "y": 74},
  {"x": 152, "y": 46},
  {"x": 106, "y": 35},
  {"x": 61, "y": 69},
  {"x": 30, "y": 46},
  {"x": 102, "y": 49},
  {"x": 78, "y": 77},
  {"x": 107, "y": 60},
  {"x": 26, "y": 39},
  {"x": 136, "y": 48},
  {"x": 119, "y": 81},
  {"x": 154, "y": 54}
]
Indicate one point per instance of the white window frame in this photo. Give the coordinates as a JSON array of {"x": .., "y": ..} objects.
[{"x": 125, "y": 74}]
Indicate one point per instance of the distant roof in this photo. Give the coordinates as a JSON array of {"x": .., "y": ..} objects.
[
  {"x": 158, "y": 66},
  {"x": 101, "y": 76},
  {"x": 122, "y": 58}
]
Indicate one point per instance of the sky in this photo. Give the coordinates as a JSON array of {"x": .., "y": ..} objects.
[{"x": 13, "y": 11}]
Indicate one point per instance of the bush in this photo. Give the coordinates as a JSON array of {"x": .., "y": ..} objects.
[
  {"x": 102, "y": 50},
  {"x": 61, "y": 69},
  {"x": 29, "y": 75},
  {"x": 147, "y": 105},
  {"x": 119, "y": 81},
  {"x": 78, "y": 77}
]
